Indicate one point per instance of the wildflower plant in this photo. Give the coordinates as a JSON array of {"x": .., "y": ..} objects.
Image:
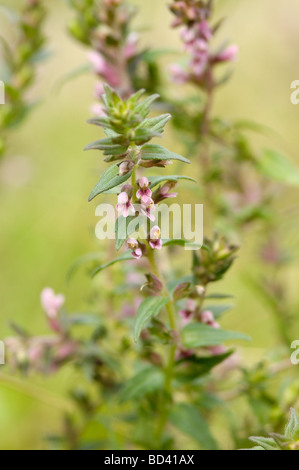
[
  {"x": 286, "y": 441},
  {"x": 18, "y": 60},
  {"x": 199, "y": 344},
  {"x": 150, "y": 354}
]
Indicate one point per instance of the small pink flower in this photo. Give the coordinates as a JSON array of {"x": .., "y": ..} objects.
[
  {"x": 183, "y": 353},
  {"x": 204, "y": 30},
  {"x": 51, "y": 303},
  {"x": 188, "y": 35},
  {"x": 98, "y": 110},
  {"x": 155, "y": 238},
  {"x": 125, "y": 167},
  {"x": 131, "y": 45},
  {"x": 104, "y": 69},
  {"x": 133, "y": 245},
  {"x": 179, "y": 75},
  {"x": 228, "y": 55},
  {"x": 188, "y": 311},
  {"x": 147, "y": 208},
  {"x": 217, "y": 350},
  {"x": 165, "y": 191},
  {"x": 124, "y": 205},
  {"x": 144, "y": 193},
  {"x": 99, "y": 90},
  {"x": 207, "y": 317},
  {"x": 66, "y": 350}
]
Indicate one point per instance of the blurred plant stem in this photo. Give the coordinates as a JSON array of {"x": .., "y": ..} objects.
[
  {"x": 37, "y": 393},
  {"x": 169, "y": 369}
]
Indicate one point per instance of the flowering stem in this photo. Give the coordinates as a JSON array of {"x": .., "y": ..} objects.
[
  {"x": 169, "y": 369},
  {"x": 134, "y": 182}
]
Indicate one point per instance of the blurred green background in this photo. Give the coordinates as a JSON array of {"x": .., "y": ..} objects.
[{"x": 45, "y": 180}]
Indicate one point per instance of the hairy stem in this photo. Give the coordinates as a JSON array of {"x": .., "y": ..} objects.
[{"x": 169, "y": 369}]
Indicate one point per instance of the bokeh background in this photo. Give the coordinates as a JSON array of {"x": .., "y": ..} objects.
[{"x": 45, "y": 180}]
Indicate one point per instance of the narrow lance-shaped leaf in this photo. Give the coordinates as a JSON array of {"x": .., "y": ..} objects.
[
  {"x": 146, "y": 381},
  {"x": 157, "y": 152},
  {"x": 196, "y": 335},
  {"x": 109, "y": 180},
  {"x": 149, "y": 308},
  {"x": 278, "y": 168},
  {"x": 125, "y": 257},
  {"x": 155, "y": 180},
  {"x": 188, "y": 419},
  {"x": 155, "y": 124}
]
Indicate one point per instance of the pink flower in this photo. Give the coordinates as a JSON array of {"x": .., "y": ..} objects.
[
  {"x": 133, "y": 245},
  {"x": 165, "y": 191},
  {"x": 125, "y": 168},
  {"x": 155, "y": 238},
  {"x": 188, "y": 311},
  {"x": 207, "y": 317},
  {"x": 147, "y": 208},
  {"x": 143, "y": 193},
  {"x": 99, "y": 90},
  {"x": 51, "y": 303},
  {"x": 179, "y": 75},
  {"x": 104, "y": 69},
  {"x": 124, "y": 205},
  {"x": 217, "y": 350},
  {"x": 204, "y": 30},
  {"x": 131, "y": 45},
  {"x": 228, "y": 55},
  {"x": 66, "y": 349},
  {"x": 98, "y": 110},
  {"x": 183, "y": 353}
]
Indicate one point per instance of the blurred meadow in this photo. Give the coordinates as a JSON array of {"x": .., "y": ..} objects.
[{"x": 46, "y": 221}]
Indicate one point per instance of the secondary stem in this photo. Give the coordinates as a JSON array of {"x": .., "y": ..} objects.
[
  {"x": 169, "y": 369},
  {"x": 170, "y": 307}
]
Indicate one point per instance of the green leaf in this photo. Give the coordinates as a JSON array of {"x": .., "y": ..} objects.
[
  {"x": 181, "y": 242},
  {"x": 143, "y": 108},
  {"x": 103, "y": 122},
  {"x": 79, "y": 319},
  {"x": 219, "y": 310},
  {"x": 197, "y": 335},
  {"x": 141, "y": 136},
  {"x": 105, "y": 144},
  {"x": 193, "y": 367},
  {"x": 157, "y": 152},
  {"x": 253, "y": 126},
  {"x": 125, "y": 257},
  {"x": 148, "y": 380},
  {"x": 149, "y": 308},
  {"x": 267, "y": 443},
  {"x": 292, "y": 427},
  {"x": 124, "y": 228},
  {"x": 109, "y": 180},
  {"x": 188, "y": 420},
  {"x": 110, "y": 97},
  {"x": 155, "y": 124},
  {"x": 155, "y": 180},
  {"x": 277, "y": 167},
  {"x": 219, "y": 296},
  {"x": 81, "y": 261}
]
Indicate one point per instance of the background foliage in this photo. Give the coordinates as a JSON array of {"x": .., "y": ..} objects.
[{"x": 47, "y": 223}]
